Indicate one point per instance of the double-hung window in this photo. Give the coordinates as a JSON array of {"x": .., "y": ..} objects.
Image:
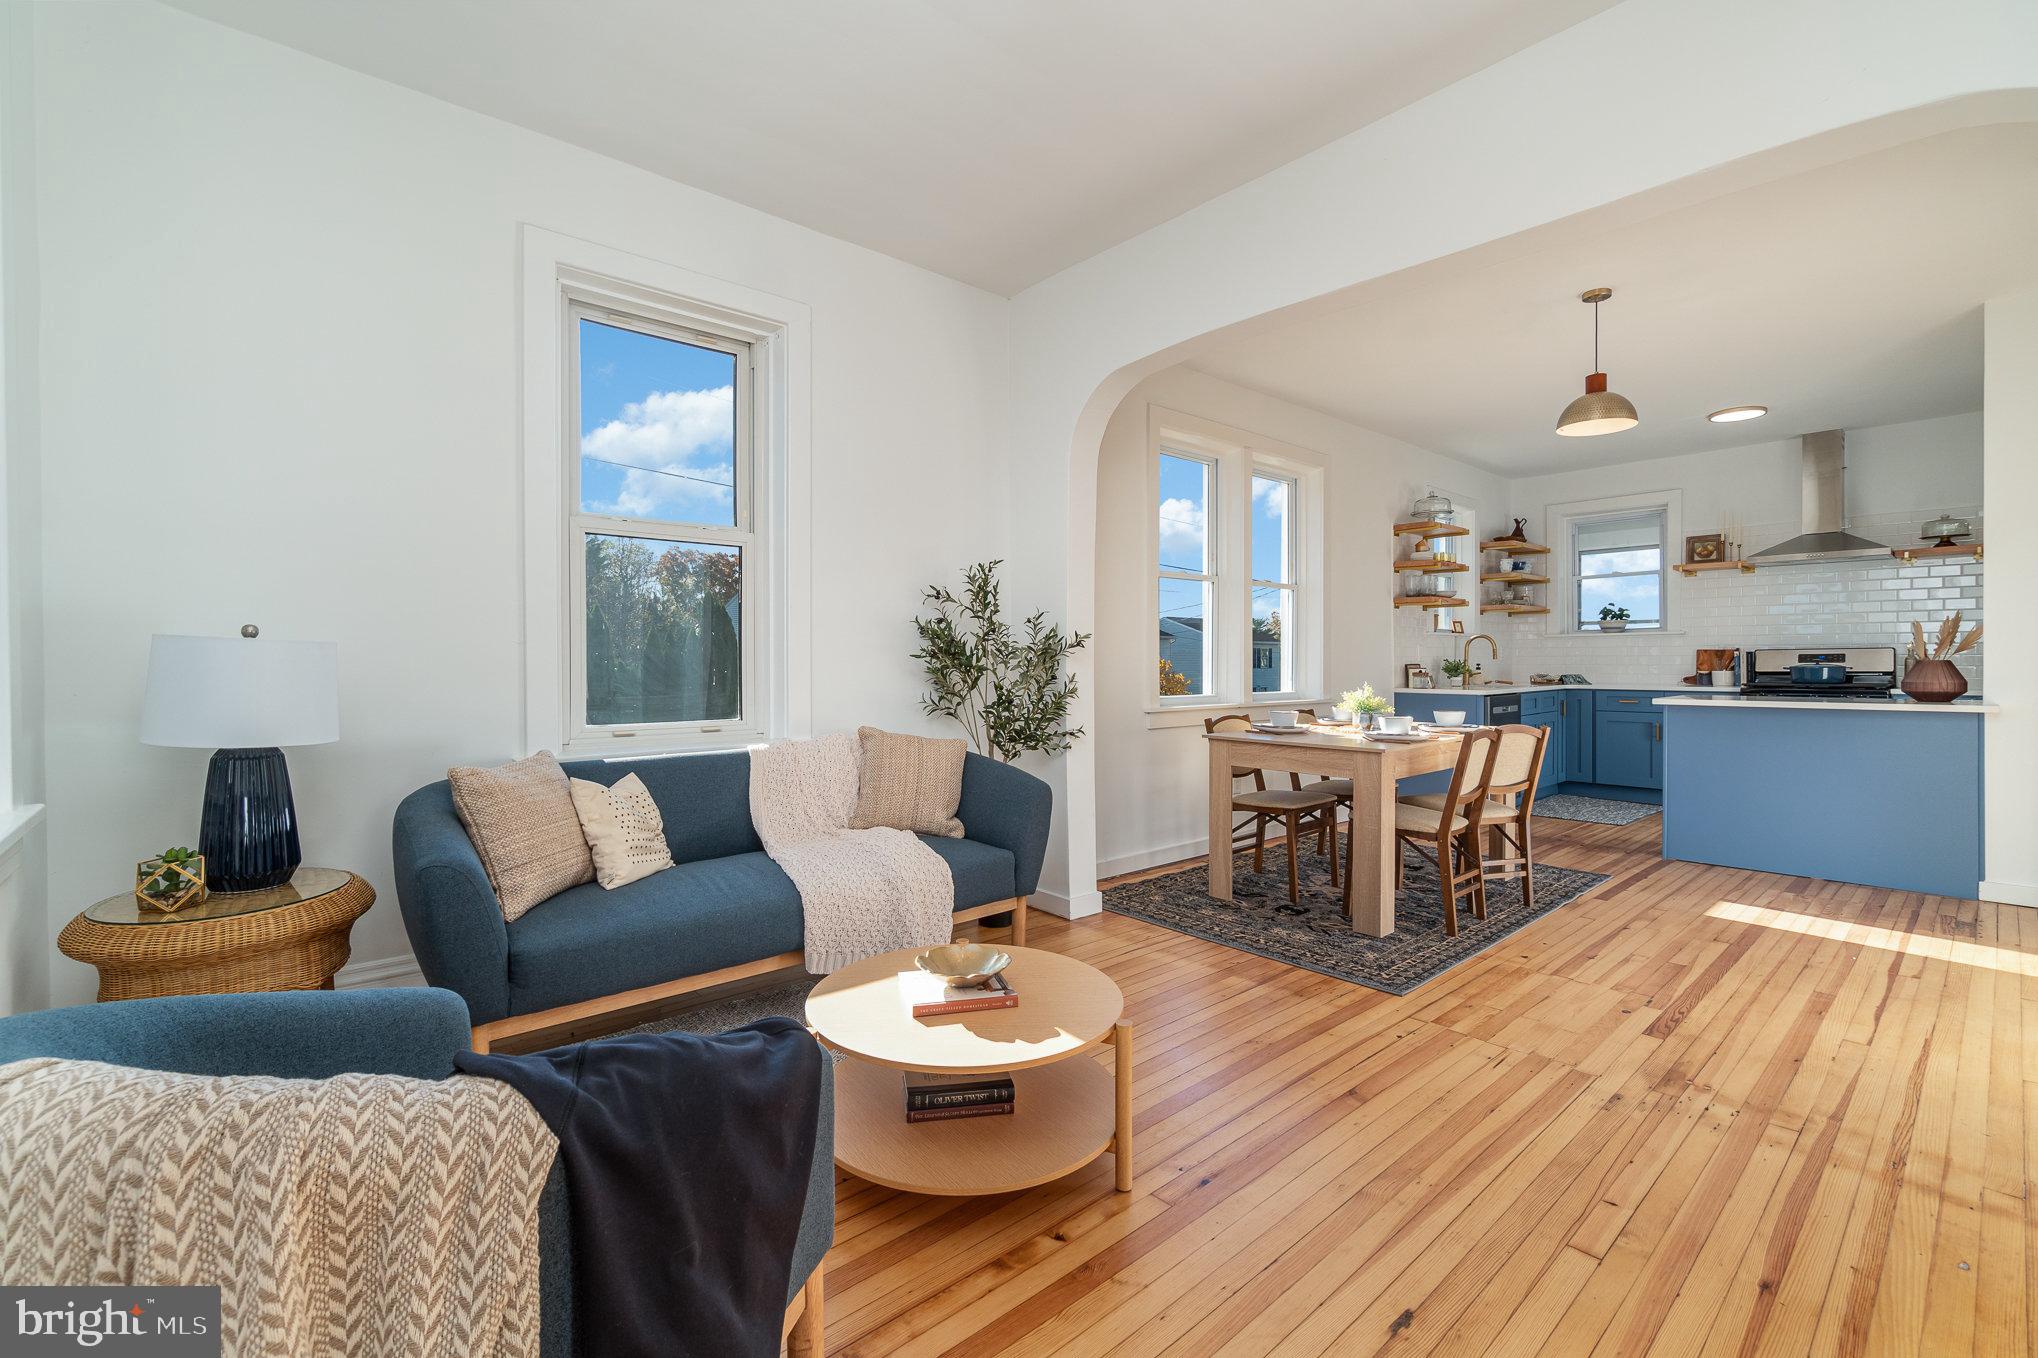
[
  {"x": 1617, "y": 560},
  {"x": 1188, "y": 574},
  {"x": 1236, "y": 524},
  {"x": 663, "y": 530}
]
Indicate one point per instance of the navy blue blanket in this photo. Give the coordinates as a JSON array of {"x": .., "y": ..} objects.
[{"x": 686, "y": 1162}]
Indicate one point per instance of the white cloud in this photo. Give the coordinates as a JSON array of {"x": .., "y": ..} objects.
[
  {"x": 675, "y": 442},
  {"x": 1182, "y": 532},
  {"x": 1271, "y": 495}
]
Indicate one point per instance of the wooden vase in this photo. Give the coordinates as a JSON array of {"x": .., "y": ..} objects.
[{"x": 1934, "y": 681}]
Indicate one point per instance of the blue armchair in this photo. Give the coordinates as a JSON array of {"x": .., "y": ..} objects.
[
  {"x": 724, "y": 911},
  {"x": 315, "y": 1034}
]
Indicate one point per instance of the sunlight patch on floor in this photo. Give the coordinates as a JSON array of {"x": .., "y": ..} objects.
[{"x": 1893, "y": 940}]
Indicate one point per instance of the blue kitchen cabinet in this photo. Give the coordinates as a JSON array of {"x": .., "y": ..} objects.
[
  {"x": 1546, "y": 711},
  {"x": 1423, "y": 707},
  {"x": 1574, "y": 736},
  {"x": 1627, "y": 741}
]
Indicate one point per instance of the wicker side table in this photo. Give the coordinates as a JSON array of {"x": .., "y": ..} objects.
[{"x": 292, "y": 937}]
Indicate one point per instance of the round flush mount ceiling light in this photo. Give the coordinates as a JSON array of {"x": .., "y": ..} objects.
[
  {"x": 1735, "y": 413},
  {"x": 1598, "y": 411}
]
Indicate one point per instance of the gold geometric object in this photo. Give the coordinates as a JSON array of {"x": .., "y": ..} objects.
[{"x": 165, "y": 886}]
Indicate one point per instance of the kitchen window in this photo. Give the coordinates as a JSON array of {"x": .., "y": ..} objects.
[
  {"x": 1618, "y": 559},
  {"x": 1236, "y": 524}
]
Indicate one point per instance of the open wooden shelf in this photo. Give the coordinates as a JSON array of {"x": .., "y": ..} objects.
[
  {"x": 1432, "y": 567},
  {"x": 1510, "y": 545},
  {"x": 1431, "y": 529},
  {"x": 1512, "y": 608},
  {"x": 1428, "y": 601},
  {"x": 1512, "y": 577},
  {"x": 1694, "y": 567},
  {"x": 1910, "y": 554}
]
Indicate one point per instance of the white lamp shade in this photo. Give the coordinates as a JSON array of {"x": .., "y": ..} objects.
[{"x": 228, "y": 693}]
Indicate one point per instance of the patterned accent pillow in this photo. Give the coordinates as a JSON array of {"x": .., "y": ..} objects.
[
  {"x": 910, "y": 783},
  {"x": 521, "y": 819},
  {"x": 623, "y": 828}
]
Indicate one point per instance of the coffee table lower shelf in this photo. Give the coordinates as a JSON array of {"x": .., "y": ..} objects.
[{"x": 1063, "y": 1117}]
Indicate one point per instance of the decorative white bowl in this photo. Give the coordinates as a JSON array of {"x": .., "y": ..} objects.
[
  {"x": 964, "y": 964},
  {"x": 1451, "y": 718}
]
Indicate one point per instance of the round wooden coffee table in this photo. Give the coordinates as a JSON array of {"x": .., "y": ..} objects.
[{"x": 1065, "y": 1112}]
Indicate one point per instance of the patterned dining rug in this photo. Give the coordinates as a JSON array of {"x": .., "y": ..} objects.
[
  {"x": 1594, "y": 810},
  {"x": 1313, "y": 934}
]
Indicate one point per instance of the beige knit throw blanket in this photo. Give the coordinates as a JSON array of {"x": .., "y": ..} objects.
[
  {"x": 362, "y": 1215},
  {"x": 862, "y": 892}
]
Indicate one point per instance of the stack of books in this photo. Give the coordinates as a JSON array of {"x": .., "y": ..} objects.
[
  {"x": 931, "y": 998},
  {"x": 934, "y": 1097}
]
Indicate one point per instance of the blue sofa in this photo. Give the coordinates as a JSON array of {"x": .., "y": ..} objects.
[
  {"x": 725, "y": 911},
  {"x": 311, "y": 1035}
]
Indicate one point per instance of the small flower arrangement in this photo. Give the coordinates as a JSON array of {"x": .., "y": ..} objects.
[{"x": 1364, "y": 704}]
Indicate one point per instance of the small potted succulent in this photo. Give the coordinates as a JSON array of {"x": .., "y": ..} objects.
[
  {"x": 1613, "y": 618},
  {"x": 1455, "y": 670},
  {"x": 170, "y": 881},
  {"x": 1363, "y": 704}
]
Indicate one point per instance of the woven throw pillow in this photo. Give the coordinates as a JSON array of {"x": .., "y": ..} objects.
[
  {"x": 523, "y": 825},
  {"x": 624, "y": 831},
  {"x": 909, "y": 783}
]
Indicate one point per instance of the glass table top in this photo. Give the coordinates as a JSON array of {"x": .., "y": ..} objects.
[{"x": 303, "y": 885}]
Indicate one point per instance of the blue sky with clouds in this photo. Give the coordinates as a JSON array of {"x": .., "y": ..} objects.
[{"x": 657, "y": 427}]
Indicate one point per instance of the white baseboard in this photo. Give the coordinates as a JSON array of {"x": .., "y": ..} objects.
[
  {"x": 1152, "y": 858},
  {"x": 401, "y": 970},
  {"x": 2010, "y": 893},
  {"x": 1079, "y": 905}
]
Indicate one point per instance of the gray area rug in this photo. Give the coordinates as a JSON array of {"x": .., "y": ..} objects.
[
  {"x": 1593, "y": 810},
  {"x": 1314, "y": 934},
  {"x": 787, "y": 999}
]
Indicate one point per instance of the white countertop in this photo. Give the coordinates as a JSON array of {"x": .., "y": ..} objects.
[
  {"x": 1960, "y": 707},
  {"x": 1483, "y": 689}
]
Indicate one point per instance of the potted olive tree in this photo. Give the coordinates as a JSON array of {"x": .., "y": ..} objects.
[
  {"x": 1613, "y": 618},
  {"x": 1010, "y": 690}
]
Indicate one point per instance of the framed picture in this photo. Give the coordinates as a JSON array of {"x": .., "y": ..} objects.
[
  {"x": 1704, "y": 547},
  {"x": 1413, "y": 675}
]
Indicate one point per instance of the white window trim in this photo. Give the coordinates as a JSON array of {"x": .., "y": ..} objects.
[
  {"x": 1237, "y": 453},
  {"x": 1558, "y": 522},
  {"x": 1211, "y": 576},
  {"x": 557, "y": 272}
]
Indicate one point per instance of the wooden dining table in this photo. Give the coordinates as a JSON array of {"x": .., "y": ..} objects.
[{"x": 1374, "y": 766}]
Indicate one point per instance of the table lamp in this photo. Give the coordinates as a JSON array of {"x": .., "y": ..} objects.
[{"x": 243, "y": 698}]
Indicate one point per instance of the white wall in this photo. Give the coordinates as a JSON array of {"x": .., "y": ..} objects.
[
  {"x": 2010, "y": 487},
  {"x": 1150, "y": 778},
  {"x": 279, "y": 306},
  {"x": 24, "y": 925},
  {"x": 1898, "y": 476}
]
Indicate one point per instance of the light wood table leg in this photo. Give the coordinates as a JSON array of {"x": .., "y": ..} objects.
[
  {"x": 1121, "y": 1136},
  {"x": 1220, "y": 820},
  {"x": 805, "y": 1340},
  {"x": 1373, "y": 848}
]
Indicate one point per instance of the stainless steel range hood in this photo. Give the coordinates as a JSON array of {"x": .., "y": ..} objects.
[{"x": 1824, "y": 509}]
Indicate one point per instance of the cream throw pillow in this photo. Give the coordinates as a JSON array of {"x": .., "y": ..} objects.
[
  {"x": 521, "y": 819},
  {"x": 624, "y": 831},
  {"x": 909, "y": 783}
]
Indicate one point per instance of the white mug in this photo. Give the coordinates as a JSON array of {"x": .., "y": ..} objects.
[
  {"x": 1287, "y": 717},
  {"x": 1393, "y": 724}
]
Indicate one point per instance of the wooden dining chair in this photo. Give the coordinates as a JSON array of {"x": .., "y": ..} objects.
[
  {"x": 1448, "y": 834},
  {"x": 1517, "y": 771},
  {"x": 1291, "y": 806}
]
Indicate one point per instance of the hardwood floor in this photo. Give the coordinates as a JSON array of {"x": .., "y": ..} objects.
[{"x": 1702, "y": 1111}]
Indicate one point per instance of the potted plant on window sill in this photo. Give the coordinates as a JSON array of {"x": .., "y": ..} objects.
[{"x": 1613, "y": 618}]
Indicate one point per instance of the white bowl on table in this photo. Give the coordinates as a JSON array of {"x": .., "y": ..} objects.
[
  {"x": 1394, "y": 724},
  {"x": 1450, "y": 718}
]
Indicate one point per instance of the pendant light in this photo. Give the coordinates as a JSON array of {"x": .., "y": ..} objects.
[{"x": 1598, "y": 411}]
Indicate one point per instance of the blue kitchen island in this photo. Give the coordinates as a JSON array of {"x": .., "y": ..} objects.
[{"x": 1883, "y": 793}]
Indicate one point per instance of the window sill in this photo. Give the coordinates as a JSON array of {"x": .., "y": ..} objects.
[
  {"x": 1559, "y": 633},
  {"x": 1192, "y": 714},
  {"x": 616, "y": 749}
]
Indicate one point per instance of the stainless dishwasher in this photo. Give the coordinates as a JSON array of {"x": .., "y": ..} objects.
[{"x": 1503, "y": 709}]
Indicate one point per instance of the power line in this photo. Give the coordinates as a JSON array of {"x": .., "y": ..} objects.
[{"x": 656, "y": 471}]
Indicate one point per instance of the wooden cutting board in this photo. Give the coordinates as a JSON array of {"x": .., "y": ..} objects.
[{"x": 1710, "y": 660}]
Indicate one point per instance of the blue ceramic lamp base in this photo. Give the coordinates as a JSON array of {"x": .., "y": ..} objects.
[{"x": 248, "y": 828}]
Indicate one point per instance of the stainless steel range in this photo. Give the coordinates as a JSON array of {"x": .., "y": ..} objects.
[{"x": 1852, "y": 672}]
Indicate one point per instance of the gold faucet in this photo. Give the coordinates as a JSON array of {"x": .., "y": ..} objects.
[{"x": 1465, "y": 679}]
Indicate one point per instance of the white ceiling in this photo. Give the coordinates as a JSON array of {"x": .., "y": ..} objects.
[
  {"x": 1840, "y": 298},
  {"x": 996, "y": 141}
]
